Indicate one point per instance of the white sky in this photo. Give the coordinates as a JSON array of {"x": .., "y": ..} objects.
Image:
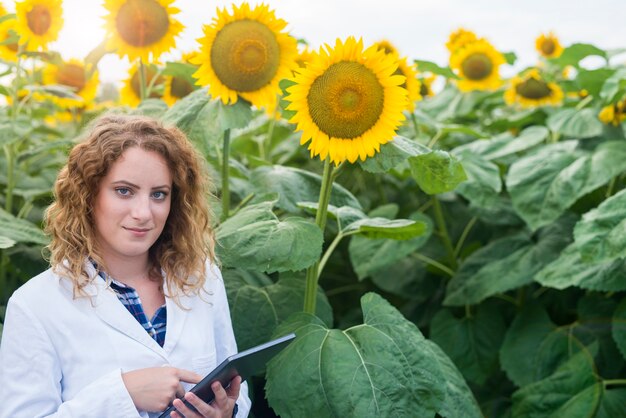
[{"x": 418, "y": 28}]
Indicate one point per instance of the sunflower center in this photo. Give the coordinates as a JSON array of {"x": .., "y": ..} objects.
[
  {"x": 245, "y": 55},
  {"x": 548, "y": 47},
  {"x": 142, "y": 22},
  {"x": 72, "y": 75},
  {"x": 346, "y": 100},
  {"x": 533, "y": 89},
  {"x": 136, "y": 86},
  {"x": 477, "y": 66},
  {"x": 180, "y": 87},
  {"x": 39, "y": 19}
]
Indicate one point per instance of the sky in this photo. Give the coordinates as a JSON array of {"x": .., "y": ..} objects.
[{"x": 418, "y": 28}]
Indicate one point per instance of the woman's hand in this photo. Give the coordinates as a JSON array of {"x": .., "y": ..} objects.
[
  {"x": 221, "y": 407},
  {"x": 154, "y": 388}
]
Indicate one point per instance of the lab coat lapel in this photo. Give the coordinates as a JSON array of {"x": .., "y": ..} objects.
[
  {"x": 176, "y": 316},
  {"x": 113, "y": 312}
]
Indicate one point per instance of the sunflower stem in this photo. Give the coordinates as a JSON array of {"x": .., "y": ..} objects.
[
  {"x": 225, "y": 172},
  {"x": 142, "y": 80},
  {"x": 443, "y": 231},
  {"x": 466, "y": 230},
  {"x": 415, "y": 125},
  {"x": 310, "y": 293},
  {"x": 584, "y": 102},
  {"x": 267, "y": 143},
  {"x": 427, "y": 260}
]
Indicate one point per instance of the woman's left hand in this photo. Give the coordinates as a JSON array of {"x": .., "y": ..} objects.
[{"x": 221, "y": 407}]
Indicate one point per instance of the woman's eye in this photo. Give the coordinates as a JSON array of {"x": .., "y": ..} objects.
[
  {"x": 159, "y": 195},
  {"x": 123, "y": 191}
]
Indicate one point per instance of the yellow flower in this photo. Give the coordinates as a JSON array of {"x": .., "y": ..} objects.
[
  {"x": 613, "y": 114},
  {"x": 3, "y": 11},
  {"x": 176, "y": 88},
  {"x": 426, "y": 84},
  {"x": 477, "y": 64},
  {"x": 74, "y": 74},
  {"x": 304, "y": 57},
  {"x": 141, "y": 28},
  {"x": 387, "y": 47},
  {"x": 348, "y": 101},
  {"x": 404, "y": 69},
  {"x": 530, "y": 90},
  {"x": 38, "y": 22},
  {"x": 246, "y": 54},
  {"x": 8, "y": 52},
  {"x": 548, "y": 45},
  {"x": 459, "y": 39},
  {"x": 130, "y": 94}
]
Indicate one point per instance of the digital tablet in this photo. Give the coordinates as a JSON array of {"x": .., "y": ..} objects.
[{"x": 245, "y": 364}]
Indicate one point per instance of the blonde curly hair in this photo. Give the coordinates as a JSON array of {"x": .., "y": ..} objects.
[{"x": 187, "y": 240}]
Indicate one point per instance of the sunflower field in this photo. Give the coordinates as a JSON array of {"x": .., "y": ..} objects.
[{"x": 444, "y": 241}]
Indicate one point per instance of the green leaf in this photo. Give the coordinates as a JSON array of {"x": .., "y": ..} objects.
[
  {"x": 522, "y": 344},
  {"x": 483, "y": 184},
  {"x": 399, "y": 229},
  {"x": 593, "y": 80},
  {"x": 180, "y": 70},
  {"x": 13, "y": 131},
  {"x": 506, "y": 145},
  {"x": 505, "y": 264},
  {"x": 510, "y": 57},
  {"x": 431, "y": 67},
  {"x": 619, "y": 327},
  {"x": 612, "y": 405},
  {"x": 570, "y": 270},
  {"x": 254, "y": 238},
  {"x": 601, "y": 234},
  {"x": 20, "y": 230},
  {"x": 544, "y": 185},
  {"x": 257, "y": 309},
  {"x": 6, "y": 242},
  {"x": 381, "y": 368},
  {"x": 155, "y": 108},
  {"x": 614, "y": 87},
  {"x": 368, "y": 255},
  {"x": 573, "y": 123},
  {"x": 471, "y": 343},
  {"x": 572, "y": 391},
  {"x": 393, "y": 153},
  {"x": 575, "y": 53},
  {"x": 295, "y": 185},
  {"x": 437, "y": 172}
]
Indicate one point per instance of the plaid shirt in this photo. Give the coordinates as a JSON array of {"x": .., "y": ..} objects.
[{"x": 130, "y": 299}]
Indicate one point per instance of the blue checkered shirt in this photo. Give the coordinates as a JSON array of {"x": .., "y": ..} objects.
[{"x": 130, "y": 299}]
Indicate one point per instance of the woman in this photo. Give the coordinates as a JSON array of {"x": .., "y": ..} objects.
[{"x": 133, "y": 310}]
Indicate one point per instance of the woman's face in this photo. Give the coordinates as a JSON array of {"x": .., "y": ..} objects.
[{"x": 132, "y": 205}]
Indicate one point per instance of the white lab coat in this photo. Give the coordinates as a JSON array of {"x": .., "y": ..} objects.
[{"x": 63, "y": 357}]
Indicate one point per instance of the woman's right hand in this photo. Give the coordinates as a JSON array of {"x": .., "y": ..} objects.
[{"x": 154, "y": 388}]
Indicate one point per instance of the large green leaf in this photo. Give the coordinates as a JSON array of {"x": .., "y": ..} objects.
[
  {"x": 257, "y": 309},
  {"x": 483, "y": 180},
  {"x": 523, "y": 342},
  {"x": 472, "y": 343},
  {"x": 572, "y": 391},
  {"x": 20, "y": 230},
  {"x": 570, "y": 270},
  {"x": 295, "y": 185},
  {"x": 428, "y": 66},
  {"x": 574, "y": 53},
  {"x": 505, "y": 264},
  {"x": 381, "y": 368},
  {"x": 601, "y": 234},
  {"x": 614, "y": 86},
  {"x": 254, "y": 238},
  {"x": 619, "y": 327},
  {"x": 505, "y": 145},
  {"x": 437, "y": 172},
  {"x": 573, "y": 123},
  {"x": 368, "y": 255},
  {"x": 542, "y": 186},
  {"x": 393, "y": 153},
  {"x": 612, "y": 405}
]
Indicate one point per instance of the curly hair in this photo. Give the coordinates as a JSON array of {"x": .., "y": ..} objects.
[{"x": 187, "y": 240}]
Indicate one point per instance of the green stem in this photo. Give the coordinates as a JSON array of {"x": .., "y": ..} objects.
[
  {"x": 310, "y": 293},
  {"x": 142, "y": 80},
  {"x": 466, "y": 231},
  {"x": 436, "y": 138},
  {"x": 4, "y": 288},
  {"x": 434, "y": 263},
  {"x": 328, "y": 252},
  {"x": 611, "y": 186},
  {"x": 9, "y": 152},
  {"x": 243, "y": 203},
  {"x": 225, "y": 172},
  {"x": 614, "y": 382},
  {"x": 443, "y": 231},
  {"x": 267, "y": 143},
  {"x": 584, "y": 102},
  {"x": 416, "y": 127}
]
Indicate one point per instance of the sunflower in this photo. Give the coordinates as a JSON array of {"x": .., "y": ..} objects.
[
  {"x": 412, "y": 85},
  {"x": 426, "y": 84},
  {"x": 130, "y": 94},
  {"x": 459, "y": 39},
  {"x": 176, "y": 88},
  {"x": 548, "y": 45},
  {"x": 8, "y": 52},
  {"x": 74, "y": 74},
  {"x": 477, "y": 64},
  {"x": 387, "y": 47},
  {"x": 140, "y": 28},
  {"x": 3, "y": 11},
  {"x": 304, "y": 57},
  {"x": 530, "y": 90},
  {"x": 348, "y": 101},
  {"x": 38, "y": 22},
  {"x": 246, "y": 54},
  {"x": 613, "y": 114}
]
